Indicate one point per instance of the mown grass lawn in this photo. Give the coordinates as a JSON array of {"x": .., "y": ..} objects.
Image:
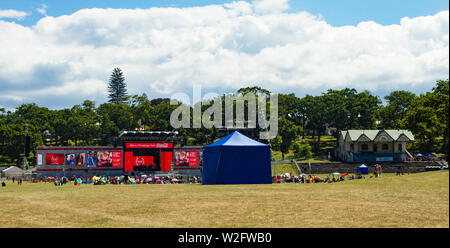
[{"x": 416, "y": 200}]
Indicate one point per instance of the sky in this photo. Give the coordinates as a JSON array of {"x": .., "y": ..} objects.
[{"x": 59, "y": 53}]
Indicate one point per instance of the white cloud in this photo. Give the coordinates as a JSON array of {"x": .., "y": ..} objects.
[
  {"x": 221, "y": 47},
  {"x": 270, "y": 6},
  {"x": 11, "y": 13},
  {"x": 42, "y": 9}
]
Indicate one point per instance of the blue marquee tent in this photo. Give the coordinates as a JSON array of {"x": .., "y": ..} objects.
[
  {"x": 430, "y": 155},
  {"x": 236, "y": 159},
  {"x": 363, "y": 169}
]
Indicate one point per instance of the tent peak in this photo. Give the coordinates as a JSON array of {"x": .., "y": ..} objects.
[{"x": 236, "y": 139}]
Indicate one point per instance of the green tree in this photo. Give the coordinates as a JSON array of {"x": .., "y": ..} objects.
[
  {"x": 347, "y": 109},
  {"x": 302, "y": 150},
  {"x": 117, "y": 87},
  {"x": 255, "y": 89},
  {"x": 61, "y": 131},
  {"x": 427, "y": 118},
  {"x": 85, "y": 122},
  {"x": 442, "y": 97},
  {"x": 115, "y": 117},
  {"x": 13, "y": 141},
  {"x": 161, "y": 116},
  {"x": 275, "y": 143},
  {"x": 290, "y": 107},
  {"x": 398, "y": 103},
  {"x": 143, "y": 110},
  {"x": 288, "y": 132},
  {"x": 316, "y": 115}
]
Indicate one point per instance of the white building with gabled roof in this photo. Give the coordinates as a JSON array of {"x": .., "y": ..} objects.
[{"x": 374, "y": 145}]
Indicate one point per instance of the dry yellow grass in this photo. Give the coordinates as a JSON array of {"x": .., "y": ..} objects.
[{"x": 416, "y": 200}]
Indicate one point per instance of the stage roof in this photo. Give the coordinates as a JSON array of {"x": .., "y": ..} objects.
[{"x": 167, "y": 136}]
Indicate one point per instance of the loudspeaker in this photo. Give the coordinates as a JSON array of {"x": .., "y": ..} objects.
[{"x": 27, "y": 145}]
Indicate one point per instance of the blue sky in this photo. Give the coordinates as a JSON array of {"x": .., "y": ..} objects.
[
  {"x": 58, "y": 56},
  {"x": 336, "y": 13}
]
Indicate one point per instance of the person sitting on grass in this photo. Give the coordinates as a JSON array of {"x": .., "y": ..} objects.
[{"x": 317, "y": 179}]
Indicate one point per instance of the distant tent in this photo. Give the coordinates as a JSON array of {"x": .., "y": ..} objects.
[
  {"x": 363, "y": 169},
  {"x": 431, "y": 155},
  {"x": 13, "y": 171},
  {"x": 236, "y": 159},
  {"x": 419, "y": 155}
]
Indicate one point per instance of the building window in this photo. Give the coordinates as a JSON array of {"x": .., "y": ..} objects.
[
  {"x": 352, "y": 147},
  {"x": 375, "y": 148},
  {"x": 400, "y": 147},
  {"x": 385, "y": 147},
  {"x": 365, "y": 147}
]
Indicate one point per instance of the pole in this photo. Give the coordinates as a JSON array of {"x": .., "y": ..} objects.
[{"x": 25, "y": 162}]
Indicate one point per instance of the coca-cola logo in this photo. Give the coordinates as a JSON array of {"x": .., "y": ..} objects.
[
  {"x": 140, "y": 161},
  {"x": 149, "y": 145}
]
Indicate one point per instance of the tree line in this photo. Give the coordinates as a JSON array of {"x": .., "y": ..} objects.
[{"x": 426, "y": 116}]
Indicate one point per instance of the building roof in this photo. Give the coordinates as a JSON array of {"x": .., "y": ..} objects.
[
  {"x": 13, "y": 169},
  {"x": 147, "y": 133},
  {"x": 160, "y": 136},
  {"x": 372, "y": 135}
]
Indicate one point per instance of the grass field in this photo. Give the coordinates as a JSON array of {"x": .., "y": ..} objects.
[{"x": 416, "y": 200}]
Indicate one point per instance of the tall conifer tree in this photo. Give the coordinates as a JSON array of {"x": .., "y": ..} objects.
[{"x": 117, "y": 87}]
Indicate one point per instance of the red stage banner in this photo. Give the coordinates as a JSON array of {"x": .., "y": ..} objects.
[
  {"x": 131, "y": 161},
  {"x": 116, "y": 159},
  {"x": 166, "y": 160},
  {"x": 193, "y": 159},
  {"x": 143, "y": 160},
  {"x": 149, "y": 145},
  {"x": 54, "y": 159},
  {"x": 128, "y": 165}
]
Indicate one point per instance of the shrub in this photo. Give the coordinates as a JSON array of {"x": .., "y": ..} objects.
[{"x": 302, "y": 150}]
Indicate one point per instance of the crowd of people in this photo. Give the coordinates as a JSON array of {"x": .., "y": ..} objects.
[
  {"x": 304, "y": 178},
  {"x": 123, "y": 179}
]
